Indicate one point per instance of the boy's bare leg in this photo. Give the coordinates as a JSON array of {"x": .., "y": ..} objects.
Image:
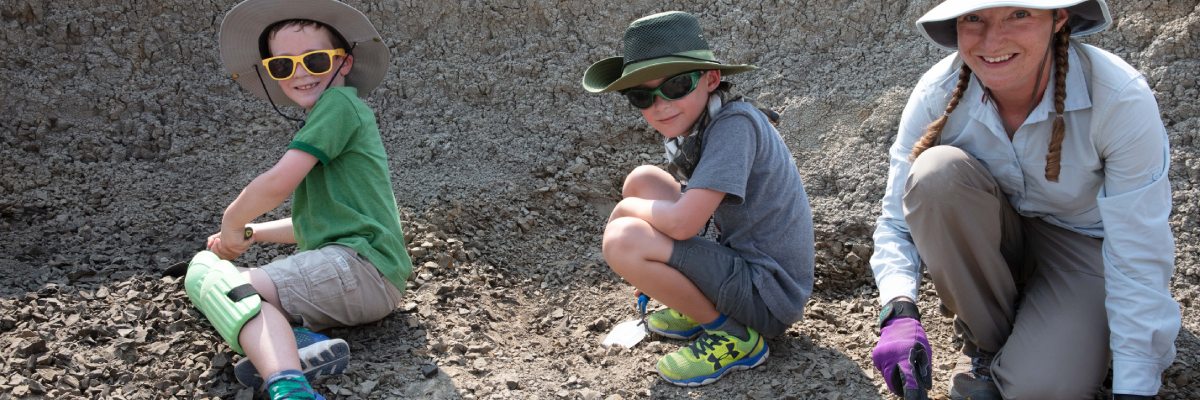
[
  {"x": 650, "y": 182},
  {"x": 638, "y": 253},
  {"x": 267, "y": 339}
]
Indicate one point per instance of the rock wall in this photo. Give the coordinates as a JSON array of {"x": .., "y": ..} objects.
[{"x": 123, "y": 138}]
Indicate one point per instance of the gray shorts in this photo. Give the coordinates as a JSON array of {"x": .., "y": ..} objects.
[
  {"x": 724, "y": 277},
  {"x": 330, "y": 287}
]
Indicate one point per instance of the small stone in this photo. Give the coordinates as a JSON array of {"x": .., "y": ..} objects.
[
  {"x": 35, "y": 346},
  {"x": 512, "y": 384},
  {"x": 367, "y": 386},
  {"x": 480, "y": 348},
  {"x": 601, "y": 324},
  {"x": 429, "y": 370},
  {"x": 589, "y": 394}
]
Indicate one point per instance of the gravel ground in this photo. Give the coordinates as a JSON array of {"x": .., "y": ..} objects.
[{"x": 123, "y": 142}]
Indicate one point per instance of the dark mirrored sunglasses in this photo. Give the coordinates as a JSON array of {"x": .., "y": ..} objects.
[{"x": 672, "y": 88}]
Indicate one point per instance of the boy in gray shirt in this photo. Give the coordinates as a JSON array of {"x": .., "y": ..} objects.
[{"x": 729, "y": 165}]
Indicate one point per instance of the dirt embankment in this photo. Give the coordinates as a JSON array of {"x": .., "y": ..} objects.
[{"x": 123, "y": 141}]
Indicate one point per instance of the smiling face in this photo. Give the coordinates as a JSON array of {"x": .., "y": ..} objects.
[
  {"x": 1004, "y": 47},
  {"x": 673, "y": 118},
  {"x": 304, "y": 88}
]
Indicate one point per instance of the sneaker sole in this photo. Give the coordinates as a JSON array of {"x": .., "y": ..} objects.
[
  {"x": 326, "y": 358},
  {"x": 742, "y": 365},
  {"x": 685, "y": 335}
]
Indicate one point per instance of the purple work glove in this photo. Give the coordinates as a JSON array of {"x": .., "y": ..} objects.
[{"x": 903, "y": 357}]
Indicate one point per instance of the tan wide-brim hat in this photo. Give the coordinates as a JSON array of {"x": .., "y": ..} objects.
[
  {"x": 940, "y": 25},
  {"x": 244, "y": 25},
  {"x": 657, "y": 46}
]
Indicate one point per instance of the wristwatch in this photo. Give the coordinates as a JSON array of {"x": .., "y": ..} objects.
[{"x": 898, "y": 308}]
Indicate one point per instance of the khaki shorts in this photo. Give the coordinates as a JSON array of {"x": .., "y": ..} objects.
[{"x": 331, "y": 287}]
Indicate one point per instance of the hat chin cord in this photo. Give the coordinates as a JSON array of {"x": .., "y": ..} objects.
[
  {"x": 1042, "y": 65},
  {"x": 327, "y": 85}
]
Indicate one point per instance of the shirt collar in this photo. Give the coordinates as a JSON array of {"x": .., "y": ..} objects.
[{"x": 1078, "y": 96}]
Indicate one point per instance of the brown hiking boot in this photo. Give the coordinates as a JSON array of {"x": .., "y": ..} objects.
[{"x": 972, "y": 379}]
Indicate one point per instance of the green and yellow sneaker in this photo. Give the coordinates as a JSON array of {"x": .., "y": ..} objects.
[
  {"x": 711, "y": 356},
  {"x": 670, "y": 323}
]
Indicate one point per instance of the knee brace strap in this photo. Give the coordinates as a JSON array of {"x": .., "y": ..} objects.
[{"x": 222, "y": 294}]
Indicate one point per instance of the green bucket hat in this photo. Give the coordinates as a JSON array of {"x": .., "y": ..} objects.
[{"x": 657, "y": 46}]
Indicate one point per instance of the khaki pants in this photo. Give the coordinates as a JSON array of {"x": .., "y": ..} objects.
[{"x": 1028, "y": 291}]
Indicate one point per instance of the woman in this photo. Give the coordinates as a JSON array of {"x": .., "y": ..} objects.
[{"x": 1030, "y": 176}]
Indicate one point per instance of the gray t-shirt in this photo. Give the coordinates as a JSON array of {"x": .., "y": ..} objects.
[{"x": 765, "y": 215}]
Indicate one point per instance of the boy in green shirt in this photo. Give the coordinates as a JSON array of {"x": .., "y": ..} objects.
[{"x": 351, "y": 267}]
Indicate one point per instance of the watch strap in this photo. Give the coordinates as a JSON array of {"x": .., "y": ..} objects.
[{"x": 898, "y": 308}]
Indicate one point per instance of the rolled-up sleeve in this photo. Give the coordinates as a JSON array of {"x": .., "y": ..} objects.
[
  {"x": 1139, "y": 249},
  {"x": 895, "y": 262}
]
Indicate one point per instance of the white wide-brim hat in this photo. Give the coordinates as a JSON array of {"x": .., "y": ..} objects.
[
  {"x": 244, "y": 25},
  {"x": 939, "y": 25}
]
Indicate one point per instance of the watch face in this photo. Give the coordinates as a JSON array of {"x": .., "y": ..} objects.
[{"x": 885, "y": 313}]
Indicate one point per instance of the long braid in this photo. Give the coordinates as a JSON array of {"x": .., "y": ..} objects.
[
  {"x": 934, "y": 130},
  {"x": 1054, "y": 153}
]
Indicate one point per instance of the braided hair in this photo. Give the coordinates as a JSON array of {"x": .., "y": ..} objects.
[
  {"x": 1054, "y": 155},
  {"x": 1061, "y": 42}
]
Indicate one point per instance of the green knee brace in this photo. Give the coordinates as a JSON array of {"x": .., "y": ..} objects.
[{"x": 220, "y": 292}]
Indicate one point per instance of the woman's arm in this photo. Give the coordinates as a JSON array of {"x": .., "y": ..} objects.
[
  {"x": 894, "y": 261},
  {"x": 1138, "y": 249}
]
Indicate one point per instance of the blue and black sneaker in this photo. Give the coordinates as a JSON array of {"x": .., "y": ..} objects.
[
  {"x": 291, "y": 385},
  {"x": 320, "y": 356}
]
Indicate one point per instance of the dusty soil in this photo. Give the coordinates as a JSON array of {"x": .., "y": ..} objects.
[{"x": 122, "y": 142}]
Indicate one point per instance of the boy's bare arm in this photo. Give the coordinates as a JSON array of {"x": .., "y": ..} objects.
[
  {"x": 680, "y": 219},
  {"x": 277, "y": 231},
  {"x": 263, "y": 194}
]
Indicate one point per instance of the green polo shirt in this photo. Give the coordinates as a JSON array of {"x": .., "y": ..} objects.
[{"x": 347, "y": 197}]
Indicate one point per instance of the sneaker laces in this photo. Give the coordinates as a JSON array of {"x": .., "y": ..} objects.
[
  {"x": 981, "y": 367},
  {"x": 707, "y": 342}
]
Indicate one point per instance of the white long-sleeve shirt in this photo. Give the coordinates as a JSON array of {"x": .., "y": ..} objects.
[{"x": 1112, "y": 185}]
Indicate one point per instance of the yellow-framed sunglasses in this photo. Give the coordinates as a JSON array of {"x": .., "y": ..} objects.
[{"x": 317, "y": 62}]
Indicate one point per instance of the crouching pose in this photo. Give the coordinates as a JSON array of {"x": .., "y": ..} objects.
[
  {"x": 729, "y": 164},
  {"x": 1029, "y": 176}
]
